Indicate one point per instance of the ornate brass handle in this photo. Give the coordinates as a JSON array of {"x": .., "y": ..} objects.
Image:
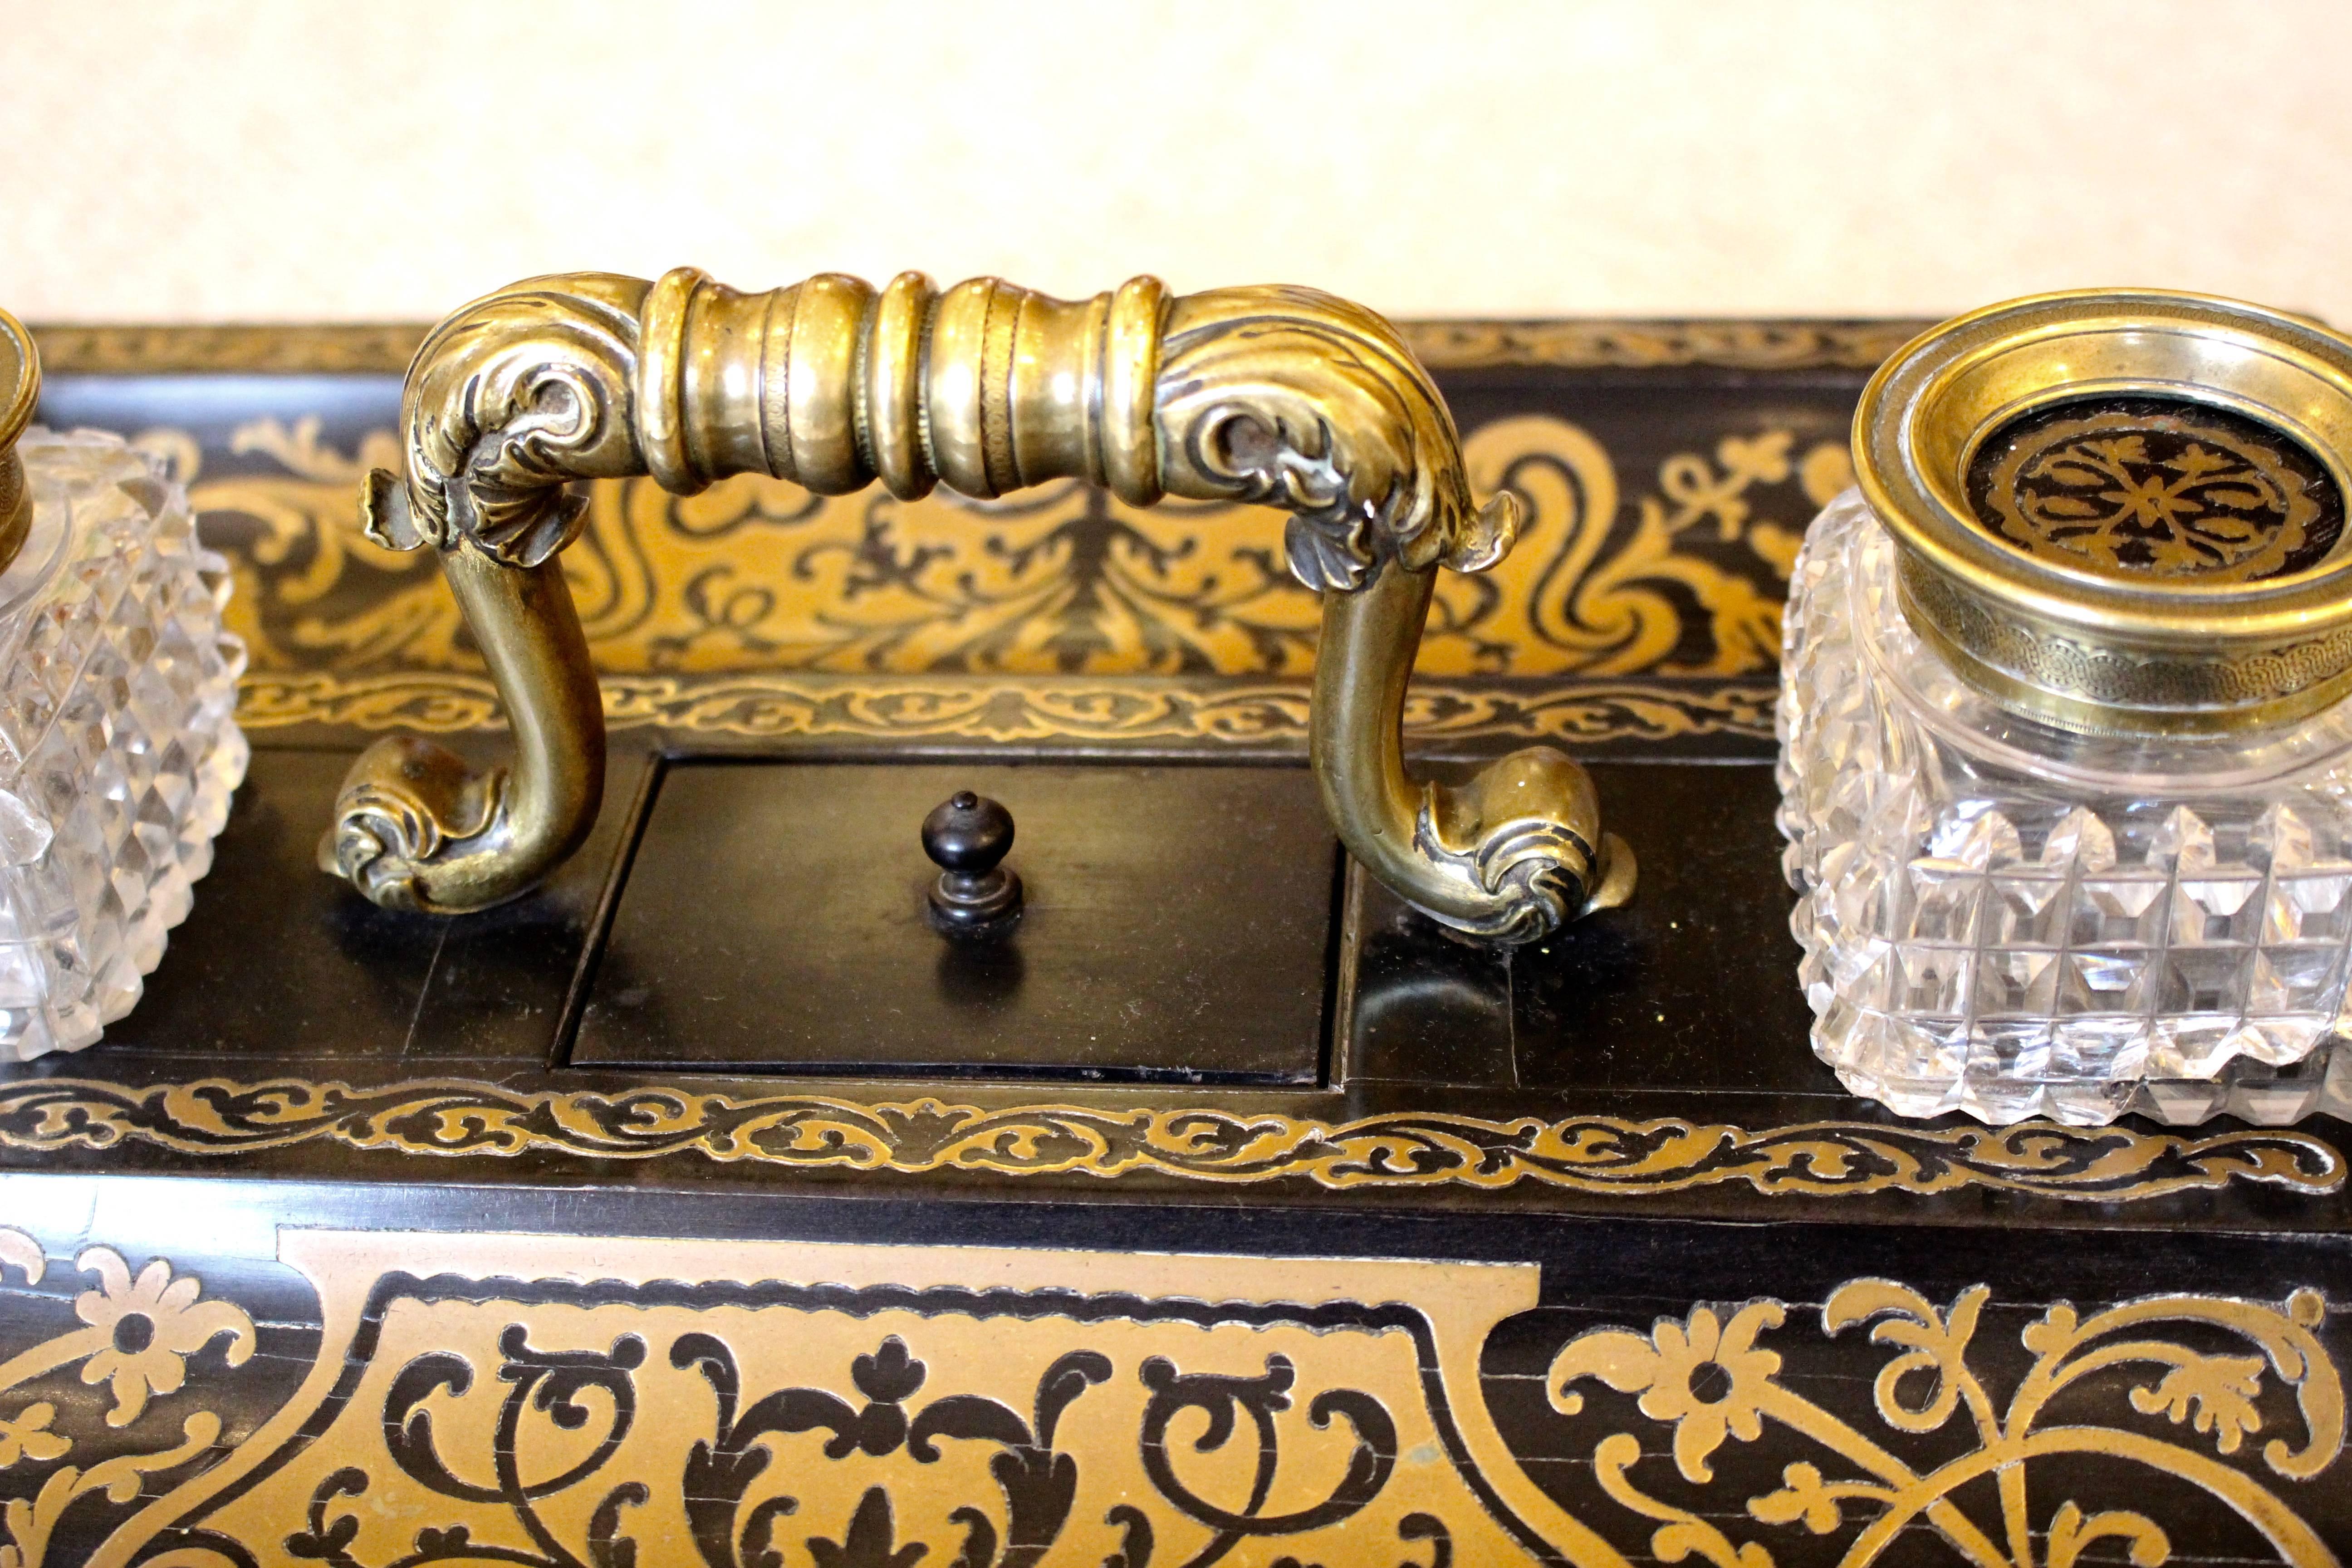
[{"x": 1278, "y": 396}]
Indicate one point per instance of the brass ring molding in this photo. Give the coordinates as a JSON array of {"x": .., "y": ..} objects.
[
  {"x": 1277, "y": 395},
  {"x": 20, "y": 391}
]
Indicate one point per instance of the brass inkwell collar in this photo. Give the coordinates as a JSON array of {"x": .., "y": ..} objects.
[
  {"x": 20, "y": 389},
  {"x": 2123, "y": 511}
]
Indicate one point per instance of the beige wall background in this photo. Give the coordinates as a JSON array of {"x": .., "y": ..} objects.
[{"x": 266, "y": 161}]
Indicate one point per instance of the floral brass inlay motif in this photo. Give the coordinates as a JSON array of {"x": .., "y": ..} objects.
[
  {"x": 1584, "y": 1153},
  {"x": 483, "y": 1397},
  {"x": 2157, "y": 490},
  {"x": 1710, "y": 1381},
  {"x": 139, "y": 1333}
]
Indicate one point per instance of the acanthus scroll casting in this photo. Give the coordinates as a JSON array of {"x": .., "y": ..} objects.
[{"x": 1274, "y": 395}]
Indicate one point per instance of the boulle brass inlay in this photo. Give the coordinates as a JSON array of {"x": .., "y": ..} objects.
[
  {"x": 140, "y": 1335},
  {"x": 1610, "y": 344},
  {"x": 490, "y": 1398},
  {"x": 1065, "y": 616},
  {"x": 1594, "y": 1154},
  {"x": 1711, "y": 1382},
  {"x": 790, "y": 705},
  {"x": 2144, "y": 489}
]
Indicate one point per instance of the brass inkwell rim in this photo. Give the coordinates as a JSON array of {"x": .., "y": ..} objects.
[
  {"x": 2095, "y": 652},
  {"x": 20, "y": 391}
]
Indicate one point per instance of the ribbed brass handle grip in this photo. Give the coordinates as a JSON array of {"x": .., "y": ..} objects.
[{"x": 1279, "y": 395}]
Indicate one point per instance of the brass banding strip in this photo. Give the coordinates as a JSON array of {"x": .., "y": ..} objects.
[{"x": 1620, "y": 343}]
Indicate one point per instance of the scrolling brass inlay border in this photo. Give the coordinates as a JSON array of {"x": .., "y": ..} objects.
[
  {"x": 1591, "y": 1154},
  {"x": 773, "y": 703},
  {"x": 1586, "y": 344},
  {"x": 132, "y": 348},
  {"x": 1633, "y": 344}
]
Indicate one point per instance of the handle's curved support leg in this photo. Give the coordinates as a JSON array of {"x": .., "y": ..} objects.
[
  {"x": 1513, "y": 854},
  {"x": 1282, "y": 396},
  {"x": 417, "y": 828}
]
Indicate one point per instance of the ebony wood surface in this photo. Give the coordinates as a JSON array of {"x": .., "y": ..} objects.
[
  {"x": 725, "y": 1020},
  {"x": 286, "y": 965},
  {"x": 1599, "y": 1275},
  {"x": 1686, "y": 991},
  {"x": 1682, "y": 1006},
  {"x": 772, "y": 919}
]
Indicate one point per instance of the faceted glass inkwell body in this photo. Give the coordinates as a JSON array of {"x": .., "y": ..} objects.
[
  {"x": 2066, "y": 764},
  {"x": 2003, "y": 918},
  {"x": 118, "y": 753}
]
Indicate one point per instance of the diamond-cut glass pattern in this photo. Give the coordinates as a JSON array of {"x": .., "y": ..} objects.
[
  {"x": 2009, "y": 935},
  {"x": 117, "y": 751}
]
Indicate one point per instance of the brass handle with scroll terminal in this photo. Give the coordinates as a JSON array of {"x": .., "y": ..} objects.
[{"x": 1278, "y": 396}]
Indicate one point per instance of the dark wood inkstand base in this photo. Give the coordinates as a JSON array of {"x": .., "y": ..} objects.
[{"x": 1221, "y": 1209}]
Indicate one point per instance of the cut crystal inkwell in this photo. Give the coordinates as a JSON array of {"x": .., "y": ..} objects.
[
  {"x": 2066, "y": 760},
  {"x": 117, "y": 751}
]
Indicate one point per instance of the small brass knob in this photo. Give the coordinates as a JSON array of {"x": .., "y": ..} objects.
[{"x": 967, "y": 836}]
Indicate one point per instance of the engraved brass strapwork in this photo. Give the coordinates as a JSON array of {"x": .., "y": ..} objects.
[
  {"x": 2124, "y": 512},
  {"x": 20, "y": 389},
  {"x": 1275, "y": 396}
]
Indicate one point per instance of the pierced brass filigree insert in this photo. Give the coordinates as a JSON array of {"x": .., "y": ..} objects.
[
  {"x": 1278, "y": 397},
  {"x": 2123, "y": 511},
  {"x": 2138, "y": 489}
]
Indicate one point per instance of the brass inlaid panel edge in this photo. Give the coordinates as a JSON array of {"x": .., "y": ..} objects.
[
  {"x": 1469, "y": 344},
  {"x": 1590, "y": 1155},
  {"x": 1603, "y": 343},
  {"x": 1008, "y": 707},
  {"x": 282, "y": 349}
]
